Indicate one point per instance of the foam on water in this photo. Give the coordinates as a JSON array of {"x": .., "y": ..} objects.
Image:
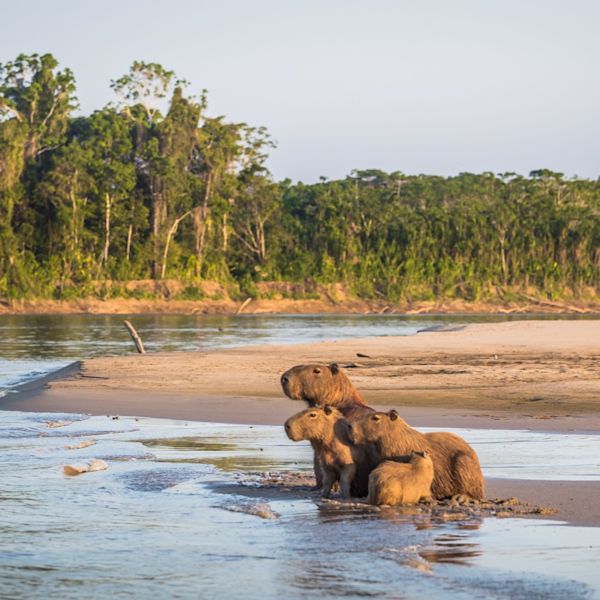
[{"x": 176, "y": 515}]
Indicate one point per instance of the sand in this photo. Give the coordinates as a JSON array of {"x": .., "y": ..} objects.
[{"x": 541, "y": 375}]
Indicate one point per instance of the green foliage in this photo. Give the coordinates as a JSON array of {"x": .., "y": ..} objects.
[{"x": 153, "y": 187}]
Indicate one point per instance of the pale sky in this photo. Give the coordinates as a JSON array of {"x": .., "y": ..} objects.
[{"x": 427, "y": 86}]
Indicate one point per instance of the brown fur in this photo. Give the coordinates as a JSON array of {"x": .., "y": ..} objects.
[
  {"x": 456, "y": 465},
  {"x": 321, "y": 385},
  {"x": 339, "y": 460},
  {"x": 401, "y": 483}
]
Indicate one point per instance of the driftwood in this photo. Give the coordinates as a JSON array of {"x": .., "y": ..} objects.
[
  {"x": 560, "y": 305},
  {"x": 135, "y": 337},
  {"x": 417, "y": 311},
  {"x": 243, "y": 306}
]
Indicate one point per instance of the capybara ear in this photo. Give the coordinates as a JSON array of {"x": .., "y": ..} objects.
[
  {"x": 334, "y": 368},
  {"x": 327, "y": 409},
  {"x": 393, "y": 415}
]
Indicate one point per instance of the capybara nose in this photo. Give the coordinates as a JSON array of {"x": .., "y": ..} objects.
[
  {"x": 287, "y": 426},
  {"x": 284, "y": 379}
]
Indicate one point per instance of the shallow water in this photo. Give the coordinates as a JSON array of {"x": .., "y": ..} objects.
[
  {"x": 180, "y": 514},
  {"x": 33, "y": 345}
]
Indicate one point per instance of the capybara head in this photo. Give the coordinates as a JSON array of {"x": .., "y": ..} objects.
[
  {"x": 372, "y": 427},
  {"x": 318, "y": 384},
  {"x": 312, "y": 424}
]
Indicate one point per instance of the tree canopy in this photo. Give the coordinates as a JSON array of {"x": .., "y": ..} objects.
[{"x": 152, "y": 186}]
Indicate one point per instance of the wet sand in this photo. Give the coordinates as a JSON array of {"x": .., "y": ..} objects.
[
  {"x": 525, "y": 370},
  {"x": 539, "y": 375}
]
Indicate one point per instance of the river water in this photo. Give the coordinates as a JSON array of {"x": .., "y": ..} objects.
[{"x": 182, "y": 511}]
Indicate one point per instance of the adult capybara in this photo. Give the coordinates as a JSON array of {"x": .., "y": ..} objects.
[
  {"x": 320, "y": 385},
  {"x": 401, "y": 483},
  {"x": 455, "y": 464},
  {"x": 338, "y": 459}
]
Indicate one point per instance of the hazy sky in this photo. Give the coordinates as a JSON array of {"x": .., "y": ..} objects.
[{"x": 418, "y": 86}]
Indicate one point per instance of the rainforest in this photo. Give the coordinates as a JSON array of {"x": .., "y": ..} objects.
[{"x": 154, "y": 187}]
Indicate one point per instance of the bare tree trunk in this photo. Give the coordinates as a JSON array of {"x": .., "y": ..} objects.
[
  {"x": 158, "y": 219},
  {"x": 198, "y": 225},
  {"x": 260, "y": 232},
  {"x": 171, "y": 233},
  {"x": 107, "y": 205},
  {"x": 224, "y": 232},
  {"x": 200, "y": 217},
  {"x": 503, "y": 259},
  {"x": 129, "y": 234},
  {"x": 74, "y": 228}
]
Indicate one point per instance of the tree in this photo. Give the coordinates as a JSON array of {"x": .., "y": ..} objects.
[
  {"x": 110, "y": 149},
  {"x": 40, "y": 98}
]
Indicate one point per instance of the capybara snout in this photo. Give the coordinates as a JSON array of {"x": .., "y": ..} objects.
[{"x": 288, "y": 430}]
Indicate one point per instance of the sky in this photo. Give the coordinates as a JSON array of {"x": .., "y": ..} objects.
[{"x": 429, "y": 86}]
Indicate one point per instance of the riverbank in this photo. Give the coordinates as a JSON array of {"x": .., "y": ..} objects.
[
  {"x": 324, "y": 304},
  {"x": 537, "y": 375}
]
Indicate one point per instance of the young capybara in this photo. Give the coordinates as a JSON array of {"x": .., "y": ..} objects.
[
  {"x": 395, "y": 483},
  {"x": 338, "y": 459},
  {"x": 320, "y": 385},
  {"x": 455, "y": 464}
]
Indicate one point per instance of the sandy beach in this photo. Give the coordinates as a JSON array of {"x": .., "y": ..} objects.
[{"x": 539, "y": 375}]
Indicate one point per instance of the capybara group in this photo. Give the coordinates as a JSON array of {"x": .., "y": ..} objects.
[
  {"x": 337, "y": 459},
  {"x": 455, "y": 464},
  {"x": 395, "y": 483},
  {"x": 320, "y": 385}
]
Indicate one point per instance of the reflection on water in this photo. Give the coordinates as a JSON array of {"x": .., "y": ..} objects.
[
  {"x": 453, "y": 548},
  {"x": 32, "y": 345},
  {"x": 153, "y": 526}
]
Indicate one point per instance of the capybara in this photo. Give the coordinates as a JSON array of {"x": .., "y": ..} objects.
[
  {"x": 455, "y": 464},
  {"x": 320, "y": 385},
  {"x": 338, "y": 459},
  {"x": 401, "y": 483}
]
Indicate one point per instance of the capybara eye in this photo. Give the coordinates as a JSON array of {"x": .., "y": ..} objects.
[
  {"x": 316, "y": 370},
  {"x": 312, "y": 415},
  {"x": 375, "y": 418}
]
